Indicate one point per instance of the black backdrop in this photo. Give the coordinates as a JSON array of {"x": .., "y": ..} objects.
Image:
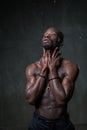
[{"x": 21, "y": 27}]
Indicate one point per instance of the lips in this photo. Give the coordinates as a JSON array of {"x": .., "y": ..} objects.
[{"x": 45, "y": 40}]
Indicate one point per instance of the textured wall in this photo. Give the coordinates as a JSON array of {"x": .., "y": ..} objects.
[{"x": 21, "y": 27}]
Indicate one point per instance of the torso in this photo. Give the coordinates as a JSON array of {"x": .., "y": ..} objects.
[{"x": 48, "y": 106}]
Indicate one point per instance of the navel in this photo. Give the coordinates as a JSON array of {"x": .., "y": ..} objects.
[{"x": 48, "y": 88}]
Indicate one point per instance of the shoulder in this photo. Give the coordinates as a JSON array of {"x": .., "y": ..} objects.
[
  {"x": 70, "y": 68},
  {"x": 31, "y": 69},
  {"x": 69, "y": 64}
]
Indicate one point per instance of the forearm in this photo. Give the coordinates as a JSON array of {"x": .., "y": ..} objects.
[
  {"x": 37, "y": 87},
  {"x": 56, "y": 86},
  {"x": 41, "y": 81}
]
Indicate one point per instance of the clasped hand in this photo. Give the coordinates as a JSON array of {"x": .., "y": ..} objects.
[{"x": 51, "y": 61}]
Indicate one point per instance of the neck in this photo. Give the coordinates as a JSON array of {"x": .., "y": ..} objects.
[{"x": 51, "y": 52}]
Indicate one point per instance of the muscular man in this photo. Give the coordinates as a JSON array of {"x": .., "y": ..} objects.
[{"x": 50, "y": 85}]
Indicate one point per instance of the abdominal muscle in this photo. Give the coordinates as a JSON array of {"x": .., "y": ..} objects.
[{"x": 48, "y": 107}]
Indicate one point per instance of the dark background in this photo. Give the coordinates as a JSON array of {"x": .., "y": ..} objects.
[{"x": 21, "y": 28}]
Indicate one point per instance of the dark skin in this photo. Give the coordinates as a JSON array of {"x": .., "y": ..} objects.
[{"x": 50, "y": 81}]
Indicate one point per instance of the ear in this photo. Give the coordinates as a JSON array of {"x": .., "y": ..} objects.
[
  {"x": 61, "y": 38},
  {"x": 62, "y": 43}
]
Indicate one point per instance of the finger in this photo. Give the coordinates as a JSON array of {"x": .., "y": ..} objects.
[
  {"x": 55, "y": 51},
  {"x": 49, "y": 55},
  {"x": 44, "y": 52},
  {"x": 57, "y": 61},
  {"x": 58, "y": 55}
]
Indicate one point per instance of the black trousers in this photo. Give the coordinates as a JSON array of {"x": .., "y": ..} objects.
[{"x": 39, "y": 122}]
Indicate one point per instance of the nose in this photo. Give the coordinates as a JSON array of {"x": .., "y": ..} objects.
[{"x": 46, "y": 36}]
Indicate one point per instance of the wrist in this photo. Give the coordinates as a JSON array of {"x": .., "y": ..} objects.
[
  {"x": 42, "y": 76},
  {"x": 44, "y": 72},
  {"x": 53, "y": 78},
  {"x": 53, "y": 70},
  {"x": 53, "y": 73}
]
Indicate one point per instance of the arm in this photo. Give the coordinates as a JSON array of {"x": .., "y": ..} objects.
[
  {"x": 35, "y": 83},
  {"x": 56, "y": 86},
  {"x": 69, "y": 80},
  {"x": 62, "y": 91}
]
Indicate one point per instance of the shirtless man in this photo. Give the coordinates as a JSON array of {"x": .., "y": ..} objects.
[{"x": 50, "y": 85}]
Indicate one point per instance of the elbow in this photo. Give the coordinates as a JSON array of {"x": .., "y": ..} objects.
[
  {"x": 61, "y": 99},
  {"x": 29, "y": 96},
  {"x": 62, "y": 96},
  {"x": 29, "y": 99}
]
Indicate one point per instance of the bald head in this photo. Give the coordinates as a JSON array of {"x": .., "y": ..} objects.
[
  {"x": 52, "y": 29},
  {"x": 52, "y": 38}
]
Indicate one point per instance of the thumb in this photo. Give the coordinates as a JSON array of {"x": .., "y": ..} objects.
[{"x": 43, "y": 52}]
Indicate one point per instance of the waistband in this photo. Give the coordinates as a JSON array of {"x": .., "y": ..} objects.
[{"x": 62, "y": 118}]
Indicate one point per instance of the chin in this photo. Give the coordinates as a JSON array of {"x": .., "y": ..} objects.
[
  {"x": 49, "y": 47},
  {"x": 46, "y": 47}
]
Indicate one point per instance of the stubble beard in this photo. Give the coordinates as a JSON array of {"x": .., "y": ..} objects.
[{"x": 50, "y": 47}]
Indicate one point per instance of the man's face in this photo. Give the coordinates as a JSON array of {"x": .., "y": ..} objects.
[{"x": 49, "y": 40}]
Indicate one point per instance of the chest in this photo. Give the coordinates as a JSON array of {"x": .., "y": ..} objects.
[{"x": 61, "y": 73}]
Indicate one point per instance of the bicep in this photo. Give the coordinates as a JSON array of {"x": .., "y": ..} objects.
[
  {"x": 68, "y": 86},
  {"x": 68, "y": 82},
  {"x": 30, "y": 78}
]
